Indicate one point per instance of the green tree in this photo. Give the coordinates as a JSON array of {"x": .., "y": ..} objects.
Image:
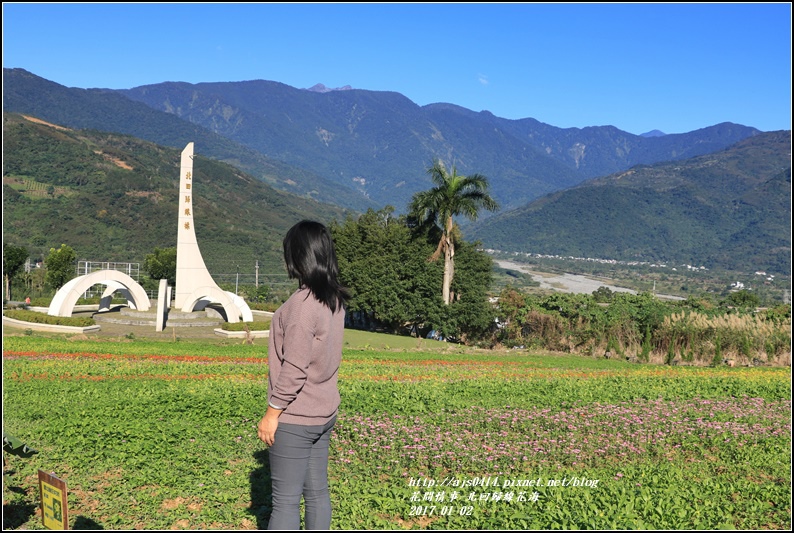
[
  {"x": 382, "y": 262},
  {"x": 13, "y": 259},
  {"x": 472, "y": 315},
  {"x": 603, "y": 294},
  {"x": 452, "y": 195},
  {"x": 743, "y": 299},
  {"x": 60, "y": 266},
  {"x": 161, "y": 264}
]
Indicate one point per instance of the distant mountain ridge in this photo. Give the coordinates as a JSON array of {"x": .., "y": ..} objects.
[
  {"x": 353, "y": 147},
  {"x": 320, "y": 88},
  {"x": 653, "y": 133},
  {"x": 381, "y": 143},
  {"x": 729, "y": 209}
]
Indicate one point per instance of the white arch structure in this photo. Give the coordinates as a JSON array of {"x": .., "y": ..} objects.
[
  {"x": 107, "y": 296},
  {"x": 245, "y": 311},
  {"x": 234, "y": 306},
  {"x": 65, "y": 299}
]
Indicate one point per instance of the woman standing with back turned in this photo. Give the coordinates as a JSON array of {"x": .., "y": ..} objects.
[{"x": 304, "y": 354}]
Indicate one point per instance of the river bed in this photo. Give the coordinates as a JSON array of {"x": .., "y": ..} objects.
[{"x": 574, "y": 283}]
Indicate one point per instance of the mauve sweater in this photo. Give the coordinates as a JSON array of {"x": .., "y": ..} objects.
[{"x": 304, "y": 354}]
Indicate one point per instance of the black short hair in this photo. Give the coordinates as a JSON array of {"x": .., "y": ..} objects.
[{"x": 311, "y": 259}]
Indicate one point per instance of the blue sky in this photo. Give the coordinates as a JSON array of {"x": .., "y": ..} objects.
[{"x": 675, "y": 67}]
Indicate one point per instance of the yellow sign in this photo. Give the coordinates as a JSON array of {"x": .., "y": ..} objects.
[{"x": 53, "y": 501}]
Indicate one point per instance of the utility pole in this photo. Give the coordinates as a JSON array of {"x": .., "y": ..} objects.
[{"x": 257, "y": 274}]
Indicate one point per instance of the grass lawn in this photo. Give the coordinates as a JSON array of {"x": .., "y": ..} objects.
[{"x": 161, "y": 434}]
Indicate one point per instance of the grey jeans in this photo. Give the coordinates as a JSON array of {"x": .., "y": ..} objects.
[{"x": 299, "y": 467}]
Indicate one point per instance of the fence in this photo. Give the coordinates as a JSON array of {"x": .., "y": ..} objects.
[
  {"x": 133, "y": 270},
  {"x": 227, "y": 273}
]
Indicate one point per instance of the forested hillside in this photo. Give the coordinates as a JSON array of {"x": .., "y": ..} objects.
[
  {"x": 730, "y": 210},
  {"x": 113, "y": 197},
  {"x": 104, "y": 110}
]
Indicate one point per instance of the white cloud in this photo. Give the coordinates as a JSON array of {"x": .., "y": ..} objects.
[{"x": 483, "y": 79}]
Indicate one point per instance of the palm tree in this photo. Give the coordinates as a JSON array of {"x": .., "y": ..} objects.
[{"x": 453, "y": 195}]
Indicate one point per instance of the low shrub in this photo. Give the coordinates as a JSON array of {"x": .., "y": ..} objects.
[
  {"x": 644, "y": 327},
  {"x": 40, "y": 318},
  {"x": 251, "y": 326}
]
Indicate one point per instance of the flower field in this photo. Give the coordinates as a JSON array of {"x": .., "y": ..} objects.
[{"x": 154, "y": 435}]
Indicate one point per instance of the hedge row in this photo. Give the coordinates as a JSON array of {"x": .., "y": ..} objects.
[{"x": 40, "y": 318}]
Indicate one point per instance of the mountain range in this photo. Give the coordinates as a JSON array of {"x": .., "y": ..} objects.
[
  {"x": 354, "y": 147},
  {"x": 380, "y": 143},
  {"x": 358, "y": 149}
]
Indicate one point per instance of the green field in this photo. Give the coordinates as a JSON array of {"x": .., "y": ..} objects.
[{"x": 162, "y": 435}]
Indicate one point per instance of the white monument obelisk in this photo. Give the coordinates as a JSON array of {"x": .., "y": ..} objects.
[
  {"x": 193, "y": 280},
  {"x": 191, "y": 272}
]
